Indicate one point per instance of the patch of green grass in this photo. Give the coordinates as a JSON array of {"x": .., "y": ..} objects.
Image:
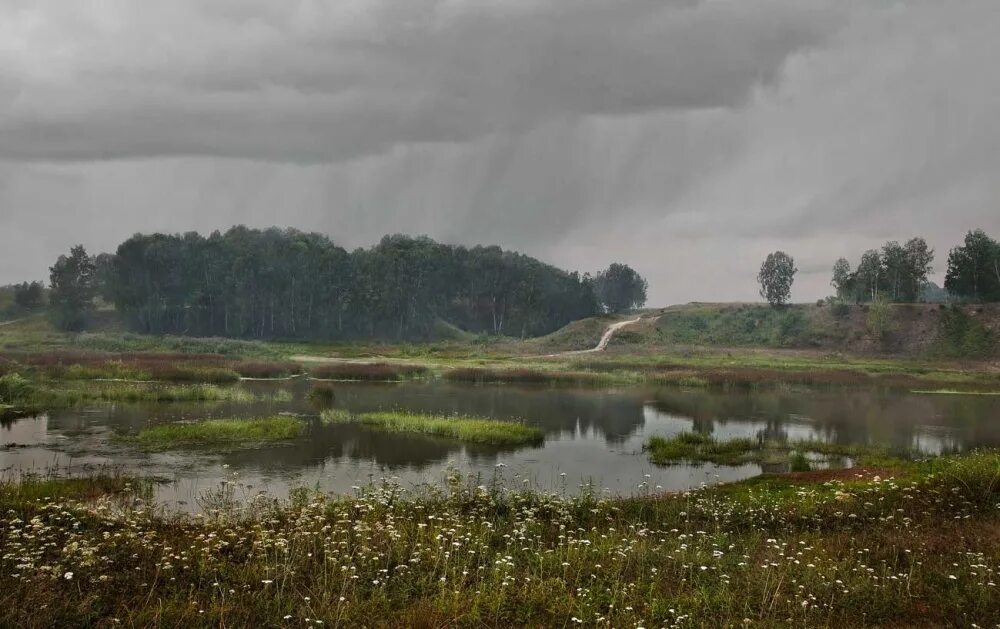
[
  {"x": 18, "y": 391},
  {"x": 129, "y": 392},
  {"x": 219, "y": 433},
  {"x": 473, "y": 430},
  {"x": 35, "y": 487},
  {"x": 688, "y": 447}
]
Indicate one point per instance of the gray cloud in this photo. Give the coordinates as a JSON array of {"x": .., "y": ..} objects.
[
  {"x": 310, "y": 81},
  {"x": 687, "y": 138}
]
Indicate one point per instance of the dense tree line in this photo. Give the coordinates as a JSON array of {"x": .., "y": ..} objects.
[
  {"x": 895, "y": 273},
  {"x": 288, "y": 284},
  {"x": 29, "y": 295}
]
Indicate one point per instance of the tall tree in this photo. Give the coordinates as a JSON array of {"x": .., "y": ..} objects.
[
  {"x": 974, "y": 268},
  {"x": 918, "y": 267},
  {"x": 843, "y": 279},
  {"x": 620, "y": 288},
  {"x": 896, "y": 268},
  {"x": 72, "y": 295},
  {"x": 776, "y": 276},
  {"x": 870, "y": 276}
]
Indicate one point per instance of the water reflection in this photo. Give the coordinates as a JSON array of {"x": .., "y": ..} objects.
[{"x": 592, "y": 436}]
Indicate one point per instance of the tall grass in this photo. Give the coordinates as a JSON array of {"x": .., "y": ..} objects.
[{"x": 473, "y": 430}]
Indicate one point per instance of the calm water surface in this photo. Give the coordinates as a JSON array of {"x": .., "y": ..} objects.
[{"x": 591, "y": 436}]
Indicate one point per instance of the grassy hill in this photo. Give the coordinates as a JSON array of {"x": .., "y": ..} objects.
[{"x": 914, "y": 329}]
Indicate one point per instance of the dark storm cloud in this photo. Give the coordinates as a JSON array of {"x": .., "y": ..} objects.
[
  {"x": 310, "y": 81},
  {"x": 687, "y": 138}
]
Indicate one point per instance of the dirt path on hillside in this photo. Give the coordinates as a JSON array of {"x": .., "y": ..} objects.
[{"x": 609, "y": 333}]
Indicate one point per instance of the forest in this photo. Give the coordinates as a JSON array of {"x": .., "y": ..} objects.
[{"x": 277, "y": 283}]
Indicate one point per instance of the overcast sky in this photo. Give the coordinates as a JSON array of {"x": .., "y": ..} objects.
[{"x": 687, "y": 138}]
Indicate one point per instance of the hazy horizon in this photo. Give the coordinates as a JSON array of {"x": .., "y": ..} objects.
[{"x": 686, "y": 138}]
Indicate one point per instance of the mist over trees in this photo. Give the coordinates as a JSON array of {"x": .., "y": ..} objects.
[
  {"x": 289, "y": 284},
  {"x": 620, "y": 288},
  {"x": 776, "y": 276}
]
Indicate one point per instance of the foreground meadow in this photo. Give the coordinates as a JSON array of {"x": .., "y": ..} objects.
[{"x": 914, "y": 545}]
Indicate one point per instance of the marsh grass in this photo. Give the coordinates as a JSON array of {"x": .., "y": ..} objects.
[
  {"x": 267, "y": 369},
  {"x": 378, "y": 372},
  {"x": 485, "y": 375},
  {"x": 15, "y": 390},
  {"x": 693, "y": 447},
  {"x": 468, "y": 429},
  {"x": 214, "y": 433},
  {"x": 859, "y": 550},
  {"x": 30, "y": 487}
]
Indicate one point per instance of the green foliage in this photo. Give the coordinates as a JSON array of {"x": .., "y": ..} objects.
[
  {"x": 962, "y": 336},
  {"x": 29, "y": 296},
  {"x": 219, "y": 432},
  {"x": 287, "y": 284},
  {"x": 473, "y": 430},
  {"x": 620, "y": 288},
  {"x": 72, "y": 295},
  {"x": 15, "y": 388},
  {"x": 737, "y": 326},
  {"x": 896, "y": 272},
  {"x": 776, "y": 276},
  {"x": 840, "y": 309},
  {"x": 799, "y": 462},
  {"x": 974, "y": 268},
  {"x": 880, "y": 318},
  {"x": 843, "y": 279}
]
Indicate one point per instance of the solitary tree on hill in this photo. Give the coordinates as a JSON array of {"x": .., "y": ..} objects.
[
  {"x": 72, "y": 296},
  {"x": 776, "y": 277},
  {"x": 620, "y": 288}
]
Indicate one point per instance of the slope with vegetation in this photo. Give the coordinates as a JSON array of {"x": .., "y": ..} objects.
[{"x": 914, "y": 330}]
